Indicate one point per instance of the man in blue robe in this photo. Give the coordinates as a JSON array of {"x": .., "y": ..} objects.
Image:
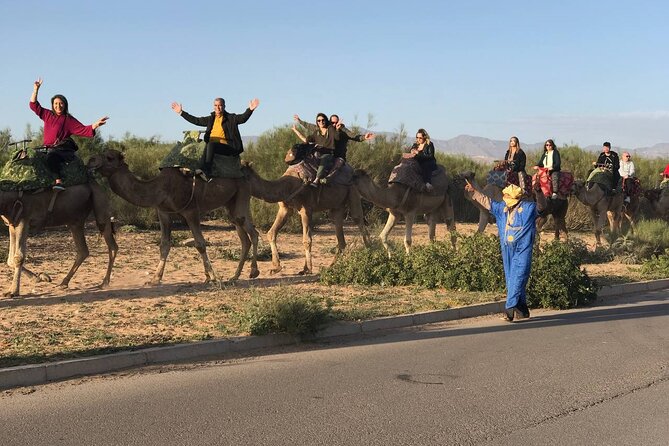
[{"x": 516, "y": 225}]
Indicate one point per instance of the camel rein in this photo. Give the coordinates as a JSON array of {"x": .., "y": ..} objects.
[
  {"x": 192, "y": 194},
  {"x": 405, "y": 197}
]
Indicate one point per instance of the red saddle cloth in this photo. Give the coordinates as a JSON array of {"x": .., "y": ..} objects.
[{"x": 542, "y": 180}]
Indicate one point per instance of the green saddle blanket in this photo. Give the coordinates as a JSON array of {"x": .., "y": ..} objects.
[
  {"x": 29, "y": 171},
  {"x": 189, "y": 153},
  {"x": 601, "y": 176}
]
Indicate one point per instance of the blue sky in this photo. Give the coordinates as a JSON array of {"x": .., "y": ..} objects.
[{"x": 575, "y": 71}]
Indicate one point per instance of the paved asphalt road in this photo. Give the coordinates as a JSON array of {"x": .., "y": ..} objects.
[{"x": 598, "y": 375}]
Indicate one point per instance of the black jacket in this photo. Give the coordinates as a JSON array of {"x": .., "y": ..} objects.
[
  {"x": 230, "y": 123},
  {"x": 518, "y": 161},
  {"x": 556, "y": 160}
]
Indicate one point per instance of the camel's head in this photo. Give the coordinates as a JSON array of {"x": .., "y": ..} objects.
[
  {"x": 107, "y": 162},
  {"x": 360, "y": 173},
  {"x": 652, "y": 195},
  {"x": 298, "y": 152}
]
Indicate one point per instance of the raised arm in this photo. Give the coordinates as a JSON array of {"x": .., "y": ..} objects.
[
  {"x": 307, "y": 125},
  {"x": 36, "y": 85},
  {"x": 299, "y": 134},
  {"x": 478, "y": 196},
  {"x": 178, "y": 109}
]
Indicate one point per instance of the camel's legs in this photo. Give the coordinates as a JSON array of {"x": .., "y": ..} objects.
[
  {"x": 18, "y": 256},
  {"x": 241, "y": 212},
  {"x": 42, "y": 277},
  {"x": 112, "y": 250},
  {"x": 77, "y": 231},
  {"x": 596, "y": 221},
  {"x": 408, "y": 222},
  {"x": 431, "y": 226},
  {"x": 246, "y": 246},
  {"x": 337, "y": 216},
  {"x": 165, "y": 245},
  {"x": 307, "y": 238},
  {"x": 101, "y": 209},
  {"x": 448, "y": 214},
  {"x": 484, "y": 219},
  {"x": 192, "y": 217},
  {"x": 390, "y": 224},
  {"x": 355, "y": 208},
  {"x": 250, "y": 229},
  {"x": 280, "y": 220}
]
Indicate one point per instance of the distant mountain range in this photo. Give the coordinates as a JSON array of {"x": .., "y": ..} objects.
[{"x": 487, "y": 150}]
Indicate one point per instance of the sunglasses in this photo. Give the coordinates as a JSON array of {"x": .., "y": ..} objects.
[{"x": 320, "y": 120}]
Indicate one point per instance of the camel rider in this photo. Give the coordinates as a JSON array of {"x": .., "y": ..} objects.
[
  {"x": 323, "y": 136},
  {"x": 345, "y": 135},
  {"x": 515, "y": 158},
  {"x": 609, "y": 160},
  {"x": 59, "y": 125},
  {"x": 627, "y": 174},
  {"x": 423, "y": 152},
  {"x": 222, "y": 134},
  {"x": 550, "y": 159}
]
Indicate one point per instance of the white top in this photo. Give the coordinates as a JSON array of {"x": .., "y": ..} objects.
[
  {"x": 626, "y": 169},
  {"x": 548, "y": 161}
]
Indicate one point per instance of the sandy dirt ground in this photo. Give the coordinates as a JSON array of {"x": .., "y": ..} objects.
[{"x": 52, "y": 252}]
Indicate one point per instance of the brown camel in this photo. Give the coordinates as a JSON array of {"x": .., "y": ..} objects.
[
  {"x": 291, "y": 193},
  {"x": 659, "y": 201},
  {"x": 25, "y": 212},
  {"x": 557, "y": 207},
  {"x": 492, "y": 191},
  {"x": 172, "y": 193},
  {"x": 601, "y": 205},
  {"x": 399, "y": 199}
]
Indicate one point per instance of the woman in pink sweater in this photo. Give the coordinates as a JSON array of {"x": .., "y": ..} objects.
[{"x": 59, "y": 125}]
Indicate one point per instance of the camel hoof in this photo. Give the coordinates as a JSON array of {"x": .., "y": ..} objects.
[
  {"x": 63, "y": 286},
  {"x": 304, "y": 272},
  {"x": 275, "y": 270},
  {"x": 152, "y": 282},
  {"x": 10, "y": 294},
  {"x": 43, "y": 277},
  {"x": 254, "y": 273}
]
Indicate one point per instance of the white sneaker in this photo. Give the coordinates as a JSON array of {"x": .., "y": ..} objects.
[
  {"x": 627, "y": 199},
  {"x": 428, "y": 187},
  {"x": 554, "y": 196}
]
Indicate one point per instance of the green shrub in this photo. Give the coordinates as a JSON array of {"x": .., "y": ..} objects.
[
  {"x": 283, "y": 312},
  {"x": 479, "y": 263},
  {"x": 557, "y": 280},
  {"x": 657, "y": 267},
  {"x": 369, "y": 266},
  {"x": 600, "y": 254},
  {"x": 475, "y": 266}
]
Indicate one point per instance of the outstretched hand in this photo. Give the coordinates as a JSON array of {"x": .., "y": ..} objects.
[
  {"x": 254, "y": 104},
  {"x": 38, "y": 83},
  {"x": 99, "y": 122},
  {"x": 468, "y": 186},
  {"x": 177, "y": 108},
  {"x": 296, "y": 118},
  {"x": 369, "y": 135}
]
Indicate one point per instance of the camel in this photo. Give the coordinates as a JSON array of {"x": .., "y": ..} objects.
[
  {"x": 171, "y": 193},
  {"x": 25, "y": 211},
  {"x": 659, "y": 201},
  {"x": 292, "y": 193},
  {"x": 399, "y": 199},
  {"x": 601, "y": 205},
  {"x": 493, "y": 191},
  {"x": 557, "y": 207}
]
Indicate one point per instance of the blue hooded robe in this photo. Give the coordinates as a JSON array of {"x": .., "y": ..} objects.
[{"x": 516, "y": 237}]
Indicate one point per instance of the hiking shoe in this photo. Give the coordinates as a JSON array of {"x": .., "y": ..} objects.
[
  {"x": 203, "y": 176},
  {"x": 508, "y": 315},
  {"x": 58, "y": 187},
  {"x": 627, "y": 199},
  {"x": 428, "y": 187},
  {"x": 314, "y": 183},
  {"x": 554, "y": 196}
]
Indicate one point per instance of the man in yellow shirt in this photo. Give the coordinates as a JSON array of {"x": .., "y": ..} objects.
[{"x": 222, "y": 133}]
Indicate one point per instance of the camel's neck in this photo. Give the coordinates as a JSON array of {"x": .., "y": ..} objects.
[
  {"x": 138, "y": 192},
  {"x": 272, "y": 191},
  {"x": 379, "y": 195}
]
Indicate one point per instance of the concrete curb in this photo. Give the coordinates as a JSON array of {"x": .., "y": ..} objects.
[{"x": 34, "y": 374}]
